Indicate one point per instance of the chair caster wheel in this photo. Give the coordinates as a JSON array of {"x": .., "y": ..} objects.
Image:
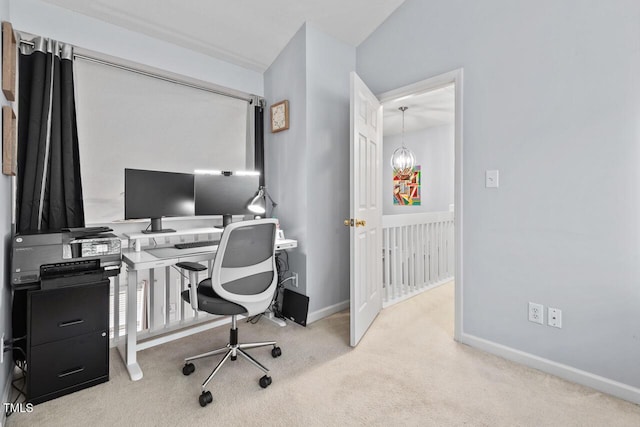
[
  {"x": 265, "y": 381},
  {"x": 188, "y": 368},
  {"x": 276, "y": 352},
  {"x": 205, "y": 398}
]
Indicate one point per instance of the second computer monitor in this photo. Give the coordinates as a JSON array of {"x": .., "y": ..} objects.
[{"x": 225, "y": 194}]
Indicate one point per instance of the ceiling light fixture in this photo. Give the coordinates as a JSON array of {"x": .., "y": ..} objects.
[{"x": 402, "y": 159}]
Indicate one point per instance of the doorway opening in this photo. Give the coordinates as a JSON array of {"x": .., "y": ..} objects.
[{"x": 422, "y": 215}]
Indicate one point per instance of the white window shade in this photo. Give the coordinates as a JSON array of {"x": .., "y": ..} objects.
[{"x": 129, "y": 120}]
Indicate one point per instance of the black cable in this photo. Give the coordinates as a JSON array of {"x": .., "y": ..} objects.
[
  {"x": 21, "y": 390},
  {"x": 282, "y": 260},
  {"x": 179, "y": 270},
  {"x": 282, "y": 268},
  {"x": 282, "y": 264},
  {"x": 11, "y": 348},
  {"x": 254, "y": 319}
]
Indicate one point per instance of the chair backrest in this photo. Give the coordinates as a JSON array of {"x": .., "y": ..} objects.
[{"x": 244, "y": 269}]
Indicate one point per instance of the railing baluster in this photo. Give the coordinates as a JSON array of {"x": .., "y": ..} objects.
[
  {"x": 385, "y": 264},
  {"x": 116, "y": 307},
  {"x": 422, "y": 255},
  {"x": 436, "y": 250},
  {"x": 418, "y": 253},
  {"x": 431, "y": 257},
  {"x": 151, "y": 300},
  {"x": 167, "y": 297},
  {"x": 419, "y": 271},
  {"x": 405, "y": 262},
  {"x": 410, "y": 263},
  {"x": 392, "y": 262}
]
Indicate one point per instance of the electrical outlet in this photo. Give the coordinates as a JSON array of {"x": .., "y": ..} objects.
[
  {"x": 295, "y": 279},
  {"x": 2, "y": 349},
  {"x": 536, "y": 313},
  {"x": 554, "y": 317}
]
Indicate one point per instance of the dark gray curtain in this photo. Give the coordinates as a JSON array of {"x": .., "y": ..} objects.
[
  {"x": 49, "y": 186},
  {"x": 259, "y": 142}
]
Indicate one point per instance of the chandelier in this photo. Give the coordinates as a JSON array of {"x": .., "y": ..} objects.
[{"x": 402, "y": 159}]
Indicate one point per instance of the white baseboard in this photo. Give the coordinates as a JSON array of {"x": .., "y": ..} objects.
[
  {"x": 602, "y": 384},
  {"x": 327, "y": 311}
]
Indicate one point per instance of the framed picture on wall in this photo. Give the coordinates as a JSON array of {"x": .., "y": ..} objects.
[
  {"x": 280, "y": 116},
  {"x": 406, "y": 188},
  {"x": 9, "y": 135},
  {"x": 9, "y": 51}
]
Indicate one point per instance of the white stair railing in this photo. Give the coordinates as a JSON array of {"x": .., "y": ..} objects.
[
  {"x": 160, "y": 308},
  {"x": 418, "y": 253}
]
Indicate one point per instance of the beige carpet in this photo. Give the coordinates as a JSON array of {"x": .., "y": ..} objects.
[{"x": 407, "y": 371}]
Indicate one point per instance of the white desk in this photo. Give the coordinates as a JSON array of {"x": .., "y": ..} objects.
[{"x": 137, "y": 260}]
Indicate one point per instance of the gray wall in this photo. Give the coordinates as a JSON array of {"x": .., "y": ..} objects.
[
  {"x": 5, "y": 235},
  {"x": 286, "y": 151},
  {"x": 552, "y": 100},
  {"x": 433, "y": 149},
  {"x": 329, "y": 63},
  {"x": 307, "y": 166}
]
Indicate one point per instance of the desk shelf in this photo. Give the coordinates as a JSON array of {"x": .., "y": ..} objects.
[
  {"x": 205, "y": 230},
  {"x": 135, "y": 238}
]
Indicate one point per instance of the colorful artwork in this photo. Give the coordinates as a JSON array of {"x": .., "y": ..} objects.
[{"x": 406, "y": 188}]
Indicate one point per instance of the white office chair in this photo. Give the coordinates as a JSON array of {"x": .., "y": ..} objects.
[{"x": 243, "y": 281}]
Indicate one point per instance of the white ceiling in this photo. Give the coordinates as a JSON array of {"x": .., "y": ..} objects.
[
  {"x": 250, "y": 33},
  {"x": 428, "y": 109}
]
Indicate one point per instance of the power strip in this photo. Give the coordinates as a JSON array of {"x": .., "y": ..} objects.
[{"x": 274, "y": 319}]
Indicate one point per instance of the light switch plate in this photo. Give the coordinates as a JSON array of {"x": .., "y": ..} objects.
[{"x": 491, "y": 179}]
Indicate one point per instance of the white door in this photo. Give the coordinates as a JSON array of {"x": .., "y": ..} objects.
[{"x": 365, "y": 208}]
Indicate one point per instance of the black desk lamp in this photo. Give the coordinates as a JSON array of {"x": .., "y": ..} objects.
[{"x": 258, "y": 204}]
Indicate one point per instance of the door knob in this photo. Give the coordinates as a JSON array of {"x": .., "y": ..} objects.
[{"x": 356, "y": 223}]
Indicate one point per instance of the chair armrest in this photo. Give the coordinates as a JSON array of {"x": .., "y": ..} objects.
[{"x": 193, "y": 268}]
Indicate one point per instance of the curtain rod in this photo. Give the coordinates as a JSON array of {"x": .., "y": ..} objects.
[{"x": 152, "y": 75}]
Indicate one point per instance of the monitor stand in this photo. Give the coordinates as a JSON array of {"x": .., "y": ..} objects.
[
  {"x": 156, "y": 227},
  {"x": 226, "y": 220}
]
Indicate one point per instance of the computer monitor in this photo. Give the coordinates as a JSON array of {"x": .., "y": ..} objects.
[
  {"x": 226, "y": 194},
  {"x": 155, "y": 194}
]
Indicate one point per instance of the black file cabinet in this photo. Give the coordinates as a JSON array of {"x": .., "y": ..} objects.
[{"x": 67, "y": 340}]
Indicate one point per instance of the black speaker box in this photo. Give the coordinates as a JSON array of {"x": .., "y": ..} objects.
[{"x": 295, "y": 307}]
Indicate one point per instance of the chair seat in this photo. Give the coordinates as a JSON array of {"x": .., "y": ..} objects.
[{"x": 211, "y": 302}]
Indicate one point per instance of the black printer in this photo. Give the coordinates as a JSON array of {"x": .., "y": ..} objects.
[{"x": 68, "y": 257}]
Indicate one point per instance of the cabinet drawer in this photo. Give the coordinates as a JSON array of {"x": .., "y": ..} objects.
[
  {"x": 63, "y": 313},
  {"x": 65, "y": 364}
]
